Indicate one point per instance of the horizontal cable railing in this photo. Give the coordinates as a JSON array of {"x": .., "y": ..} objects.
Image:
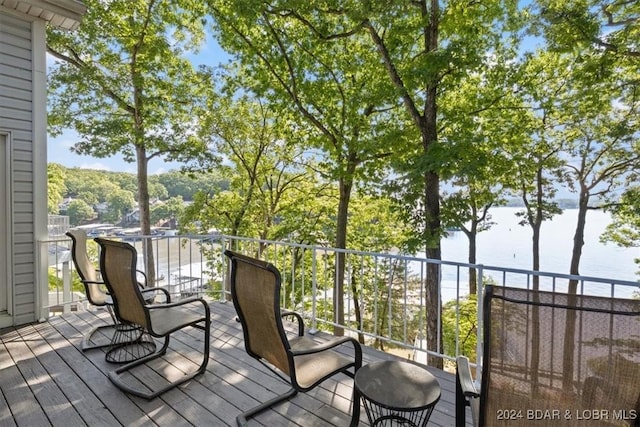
[{"x": 384, "y": 294}]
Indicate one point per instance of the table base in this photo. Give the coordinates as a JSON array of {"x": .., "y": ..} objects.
[
  {"x": 129, "y": 343},
  {"x": 383, "y": 417}
]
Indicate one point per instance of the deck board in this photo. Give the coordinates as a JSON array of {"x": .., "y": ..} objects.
[{"x": 46, "y": 379}]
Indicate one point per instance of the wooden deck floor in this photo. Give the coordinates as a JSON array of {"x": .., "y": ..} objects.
[{"x": 45, "y": 379}]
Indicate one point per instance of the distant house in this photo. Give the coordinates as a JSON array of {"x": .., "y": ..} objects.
[
  {"x": 132, "y": 217},
  {"x": 64, "y": 205},
  {"x": 101, "y": 208},
  {"x": 23, "y": 151}
]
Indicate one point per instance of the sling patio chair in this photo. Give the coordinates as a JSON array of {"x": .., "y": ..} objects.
[
  {"x": 551, "y": 358},
  {"x": 118, "y": 267},
  {"x": 95, "y": 291},
  {"x": 300, "y": 361}
]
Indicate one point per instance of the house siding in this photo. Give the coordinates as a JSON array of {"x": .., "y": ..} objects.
[{"x": 17, "y": 119}]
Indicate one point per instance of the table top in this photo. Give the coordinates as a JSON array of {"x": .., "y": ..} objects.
[{"x": 398, "y": 385}]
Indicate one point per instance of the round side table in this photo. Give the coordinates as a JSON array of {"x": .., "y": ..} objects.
[{"x": 397, "y": 393}]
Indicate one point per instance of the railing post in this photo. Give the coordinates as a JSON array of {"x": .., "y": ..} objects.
[
  {"x": 479, "y": 336},
  {"x": 66, "y": 287},
  {"x": 314, "y": 289}
]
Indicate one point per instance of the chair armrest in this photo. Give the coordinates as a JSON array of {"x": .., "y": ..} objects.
[
  {"x": 92, "y": 282},
  {"x": 145, "y": 291},
  {"x": 146, "y": 282},
  {"x": 102, "y": 286},
  {"x": 298, "y": 318},
  {"x": 466, "y": 393},
  {"x": 175, "y": 304},
  {"x": 337, "y": 341},
  {"x": 463, "y": 376}
]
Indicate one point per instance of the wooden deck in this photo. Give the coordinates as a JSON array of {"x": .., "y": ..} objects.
[{"x": 45, "y": 379}]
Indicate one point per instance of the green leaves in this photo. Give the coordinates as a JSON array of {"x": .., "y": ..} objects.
[{"x": 122, "y": 80}]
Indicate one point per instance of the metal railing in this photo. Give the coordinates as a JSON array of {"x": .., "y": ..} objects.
[{"x": 384, "y": 297}]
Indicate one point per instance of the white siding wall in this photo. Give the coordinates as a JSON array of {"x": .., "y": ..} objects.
[{"x": 17, "y": 118}]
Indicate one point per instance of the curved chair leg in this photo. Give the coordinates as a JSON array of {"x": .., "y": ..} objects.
[
  {"x": 241, "y": 419},
  {"x": 355, "y": 414},
  {"x": 116, "y": 377},
  {"x": 86, "y": 339}
]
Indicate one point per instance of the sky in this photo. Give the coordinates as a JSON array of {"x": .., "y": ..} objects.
[{"x": 59, "y": 147}]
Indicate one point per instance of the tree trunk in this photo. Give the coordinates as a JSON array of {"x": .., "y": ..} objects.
[
  {"x": 145, "y": 216},
  {"x": 535, "y": 221},
  {"x": 345, "y": 184},
  {"x": 433, "y": 251},
  {"x": 356, "y": 308},
  {"x": 473, "y": 249},
  {"x": 432, "y": 225},
  {"x": 535, "y": 310},
  {"x": 570, "y": 323}
]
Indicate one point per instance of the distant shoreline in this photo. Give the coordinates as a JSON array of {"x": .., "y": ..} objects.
[{"x": 562, "y": 203}]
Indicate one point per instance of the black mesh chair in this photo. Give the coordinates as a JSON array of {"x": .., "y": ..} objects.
[
  {"x": 255, "y": 289},
  {"x": 118, "y": 267},
  {"x": 97, "y": 295},
  {"x": 94, "y": 287},
  {"x": 550, "y": 359}
]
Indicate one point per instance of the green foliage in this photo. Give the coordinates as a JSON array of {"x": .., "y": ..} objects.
[
  {"x": 172, "y": 209},
  {"x": 187, "y": 185},
  {"x": 79, "y": 212},
  {"x": 624, "y": 229},
  {"x": 119, "y": 202},
  {"x": 157, "y": 191},
  {"x": 460, "y": 316},
  {"x": 56, "y": 188},
  {"x": 268, "y": 185},
  {"x": 56, "y": 284},
  {"x": 124, "y": 83},
  {"x": 608, "y": 25}
]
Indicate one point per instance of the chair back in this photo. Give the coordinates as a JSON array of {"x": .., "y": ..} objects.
[
  {"x": 550, "y": 357},
  {"x": 118, "y": 269},
  {"x": 85, "y": 268},
  {"x": 255, "y": 290}
]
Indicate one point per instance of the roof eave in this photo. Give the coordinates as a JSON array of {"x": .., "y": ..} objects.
[{"x": 65, "y": 14}]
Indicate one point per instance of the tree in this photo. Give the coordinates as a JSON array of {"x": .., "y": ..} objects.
[
  {"x": 479, "y": 117},
  {"x": 610, "y": 31},
  {"x": 185, "y": 185},
  {"x": 79, "y": 212},
  {"x": 421, "y": 52},
  {"x": 263, "y": 165},
  {"x": 157, "y": 190},
  {"x": 123, "y": 82},
  {"x": 602, "y": 37},
  {"x": 119, "y": 203},
  {"x": 460, "y": 320},
  {"x": 376, "y": 227},
  {"x": 55, "y": 187},
  {"x": 88, "y": 197},
  {"x": 329, "y": 83},
  {"x": 624, "y": 230},
  {"x": 426, "y": 50},
  {"x": 534, "y": 147},
  {"x": 170, "y": 210},
  {"x": 608, "y": 26}
]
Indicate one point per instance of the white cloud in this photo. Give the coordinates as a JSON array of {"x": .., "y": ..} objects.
[{"x": 96, "y": 166}]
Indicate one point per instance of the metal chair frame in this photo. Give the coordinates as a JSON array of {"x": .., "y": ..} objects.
[
  {"x": 281, "y": 354},
  {"x": 118, "y": 267}
]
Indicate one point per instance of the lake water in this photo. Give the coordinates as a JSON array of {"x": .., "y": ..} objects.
[{"x": 508, "y": 244}]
